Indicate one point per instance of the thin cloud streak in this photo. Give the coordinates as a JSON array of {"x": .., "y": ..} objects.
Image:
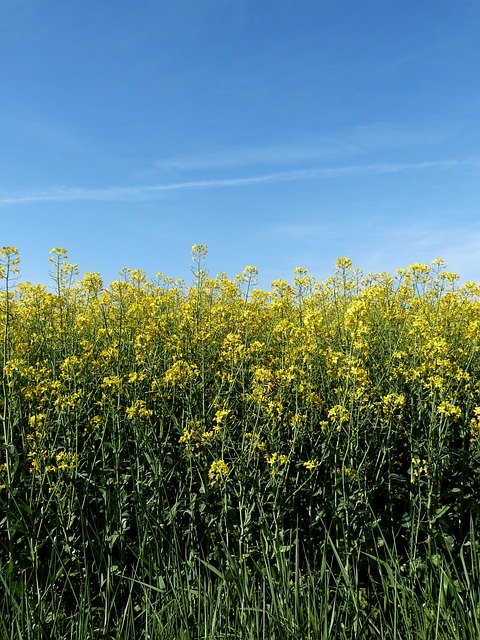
[
  {"x": 146, "y": 192},
  {"x": 360, "y": 139}
]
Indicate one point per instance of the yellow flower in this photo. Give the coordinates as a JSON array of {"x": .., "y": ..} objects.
[
  {"x": 220, "y": 415},
  {"x": 180, "y": 373},
  {"x": 419, "y": 468},
  {"x": 66, "y": 460},
  {"x": 276, "y": 460},
  {"x": 343, "y": 263},
  {"x": 218, "y": 472},
  {"x": 449, "y": 409},
  {"x": 138, "y": 409}
]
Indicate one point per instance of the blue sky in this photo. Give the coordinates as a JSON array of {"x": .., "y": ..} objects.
[{"x": 279, "y": 133}]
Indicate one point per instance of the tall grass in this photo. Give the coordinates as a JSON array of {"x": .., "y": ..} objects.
[{"x": 216, "y": 461}]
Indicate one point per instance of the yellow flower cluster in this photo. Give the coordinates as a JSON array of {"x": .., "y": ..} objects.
[
  {"x": 320, "y": 370},
  {"x": 64, "y": 461},
  {"x": 197, "y": 435},
  {"x": 257, "y": 443},
  {"x": 475, "y": 425},
  {"x": 348, "y": 472},
  {"x": 311, "y": 464},
  {"x": 3, "y": 474},
  {"x": 275, "y": 461},
  {"x": 218, "y": 472},
  {"x": 419, "y": 469},
  {"x": 138, "y": 409}
]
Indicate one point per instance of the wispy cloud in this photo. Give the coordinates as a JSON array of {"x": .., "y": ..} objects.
[
  {"x": 363, "y": 139},
  {"x": 274, "y": 155},
  {"x": 151, "y": 191}
]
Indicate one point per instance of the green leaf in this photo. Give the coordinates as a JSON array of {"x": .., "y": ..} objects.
[{"x": 440, "y": 512}]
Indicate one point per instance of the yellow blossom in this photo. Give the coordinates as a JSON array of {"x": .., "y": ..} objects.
[
  {"x": 311, "y": 464},
  {"x": 218, "y": 472}
]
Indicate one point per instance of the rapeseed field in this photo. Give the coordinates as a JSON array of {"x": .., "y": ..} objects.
[{"x": 213, "y": 460}]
